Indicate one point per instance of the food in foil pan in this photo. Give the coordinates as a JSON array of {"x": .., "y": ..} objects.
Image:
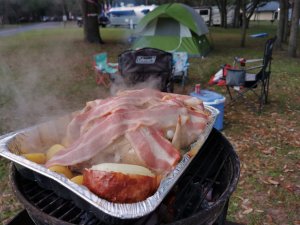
[
  {"x": 121, "y": 147},
  {"x": 121, "y": 182}
]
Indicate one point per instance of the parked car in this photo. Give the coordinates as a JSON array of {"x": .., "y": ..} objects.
[
  {"x": 129, "y": 15},
  {"x": 45, "y": 18},
  {"x": 212, "y": 17},
  {"x": 102, "y": 20},
  {"x": 79, "y": 21}
]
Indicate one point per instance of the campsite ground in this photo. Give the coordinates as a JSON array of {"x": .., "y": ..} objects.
[{"x": 48, "y": 73}]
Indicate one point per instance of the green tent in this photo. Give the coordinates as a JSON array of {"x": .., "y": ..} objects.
[{"x": 173, "y": 27}]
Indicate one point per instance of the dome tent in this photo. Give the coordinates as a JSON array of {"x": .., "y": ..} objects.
[{"x": 173, "y": 27}]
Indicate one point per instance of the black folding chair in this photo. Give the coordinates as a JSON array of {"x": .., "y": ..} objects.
[
  {"x": 146, "y": 64},
  {"x": 240, "y": 80}
]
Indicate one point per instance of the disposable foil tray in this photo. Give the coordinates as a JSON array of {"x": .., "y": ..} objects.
[{"x": 45, "y": 135}]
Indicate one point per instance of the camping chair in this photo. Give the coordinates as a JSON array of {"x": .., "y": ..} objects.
[
  {"x": 145, "y": 65},
  {"x": 180, "y": 67},
  {"x": 240, "y": 80},
  {"x": 104, "y": 70}
]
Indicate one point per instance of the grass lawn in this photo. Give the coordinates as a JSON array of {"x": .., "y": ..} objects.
[{"x": 48, "y": 73}]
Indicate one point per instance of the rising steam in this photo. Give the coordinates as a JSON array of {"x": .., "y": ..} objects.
[{"x": 120, "y": 84}]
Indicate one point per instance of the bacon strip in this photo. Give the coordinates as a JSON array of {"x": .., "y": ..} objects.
[
  {"x": 143, "y": 117},
  {"x": 98, "y": 109},
  {"x": 158, "y": 153},
  {"x": 105, "y": 131}
]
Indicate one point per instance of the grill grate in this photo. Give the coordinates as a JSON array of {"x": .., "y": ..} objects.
[
  {"x": 51, "y": 204},
  {"x": 202, "y": 185}
]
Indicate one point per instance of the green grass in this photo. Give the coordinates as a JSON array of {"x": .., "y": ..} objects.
[
  {"x": 3, "y": 174},
  {"x": 46, "y": 73}
]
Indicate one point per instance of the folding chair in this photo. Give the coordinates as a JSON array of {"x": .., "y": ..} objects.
[
  {"x": 240, "y": 80},
  {"x": 143, "y": 65},
  {"x": 180, "y": 67},
  {"x": 104, "y": 70}
]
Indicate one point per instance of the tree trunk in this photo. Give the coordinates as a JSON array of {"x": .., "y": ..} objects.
[
  {"x": 237, "y": 16},
  {"x": 292, "y": 48},
  {"x": 286, "y": 30},
  {"x": 281, "y": 23},
  {"x": 5, "y": 13},
  {"x": 90, "y": 10},
  {"x": 246, "y": 18},
  {"x": 224, "y": 13},
  {"x": 64, "y": 7},
  {"x": 222, "y": 5},
  {"x": 244, "y": 29}
]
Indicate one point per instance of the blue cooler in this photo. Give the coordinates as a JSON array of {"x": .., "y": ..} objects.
[{"x": 215, "y": 100}]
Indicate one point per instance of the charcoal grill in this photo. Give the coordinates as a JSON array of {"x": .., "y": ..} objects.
[{"x": 201, "y": 195}]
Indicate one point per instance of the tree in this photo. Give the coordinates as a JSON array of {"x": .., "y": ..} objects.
[
  {"x": 5, "y": 12},
  {"x": 237, "y": 16},
  {"x": 282, "y": 28},
  {"x": 292, "y": 48},
  {"x": 222, "y": 5},
  {"x": 90, "y": 11},
  {"x": 247, "y": 12},
  {"x": 27, "y": 10},
  {"x": 286, "y": 30}
]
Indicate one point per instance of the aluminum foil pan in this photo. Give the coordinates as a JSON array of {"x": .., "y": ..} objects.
[{"x": 45, "y": 135}]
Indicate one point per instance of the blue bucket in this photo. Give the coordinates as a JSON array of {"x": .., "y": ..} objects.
[{"x": 215, "y": 100}]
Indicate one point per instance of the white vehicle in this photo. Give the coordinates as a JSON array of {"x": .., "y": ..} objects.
[
  {"x": 212, "y": 17},
  {"x": 128, "y": 15}
]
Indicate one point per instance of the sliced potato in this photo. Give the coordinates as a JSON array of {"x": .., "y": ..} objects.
[
  {"x": 62, "y": 170},
  {"x": 123, "y": 168},
  {"x": 39, "y": 158},
  {"x": 77, "y": 179},
  {"x": 53, "y": 150}
]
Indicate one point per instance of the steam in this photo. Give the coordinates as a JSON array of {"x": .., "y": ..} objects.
[
  {"x": 120, "y": 84},
  {"x": 23, "y": 103},
  {"x": 36, "y": 88}
]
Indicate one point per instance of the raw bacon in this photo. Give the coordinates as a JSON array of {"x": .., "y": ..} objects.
[
  {"x": 143, "y": 118},
  {"x": 98, "y": 109},
  {"x": 158, "y": 153}
]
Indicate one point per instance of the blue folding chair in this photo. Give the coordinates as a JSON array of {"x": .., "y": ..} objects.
[
  {"x": 105, "y": 71},
  {"x": 180, "y": 67}
]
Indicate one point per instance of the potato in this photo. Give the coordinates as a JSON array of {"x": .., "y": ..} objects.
[
  {"x": 53, "y": 150},
  {"x": 62, "y": 170},
  {"x": 122, "y": 183},
  {"x": 39, "y": 158},
  {"x": 123, "y": 168},
  {"x": 78, "y": 179}
]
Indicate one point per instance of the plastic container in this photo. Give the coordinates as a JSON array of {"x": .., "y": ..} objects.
[{"x": 215, "y": 100}]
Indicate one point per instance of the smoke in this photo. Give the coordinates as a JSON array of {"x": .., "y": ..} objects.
[
  {"x": 34, "y": 87},
  {"x": 120, "y": 84},
  {"x": 23, "y": 101},
  {"x": 39, "y": 86}
]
